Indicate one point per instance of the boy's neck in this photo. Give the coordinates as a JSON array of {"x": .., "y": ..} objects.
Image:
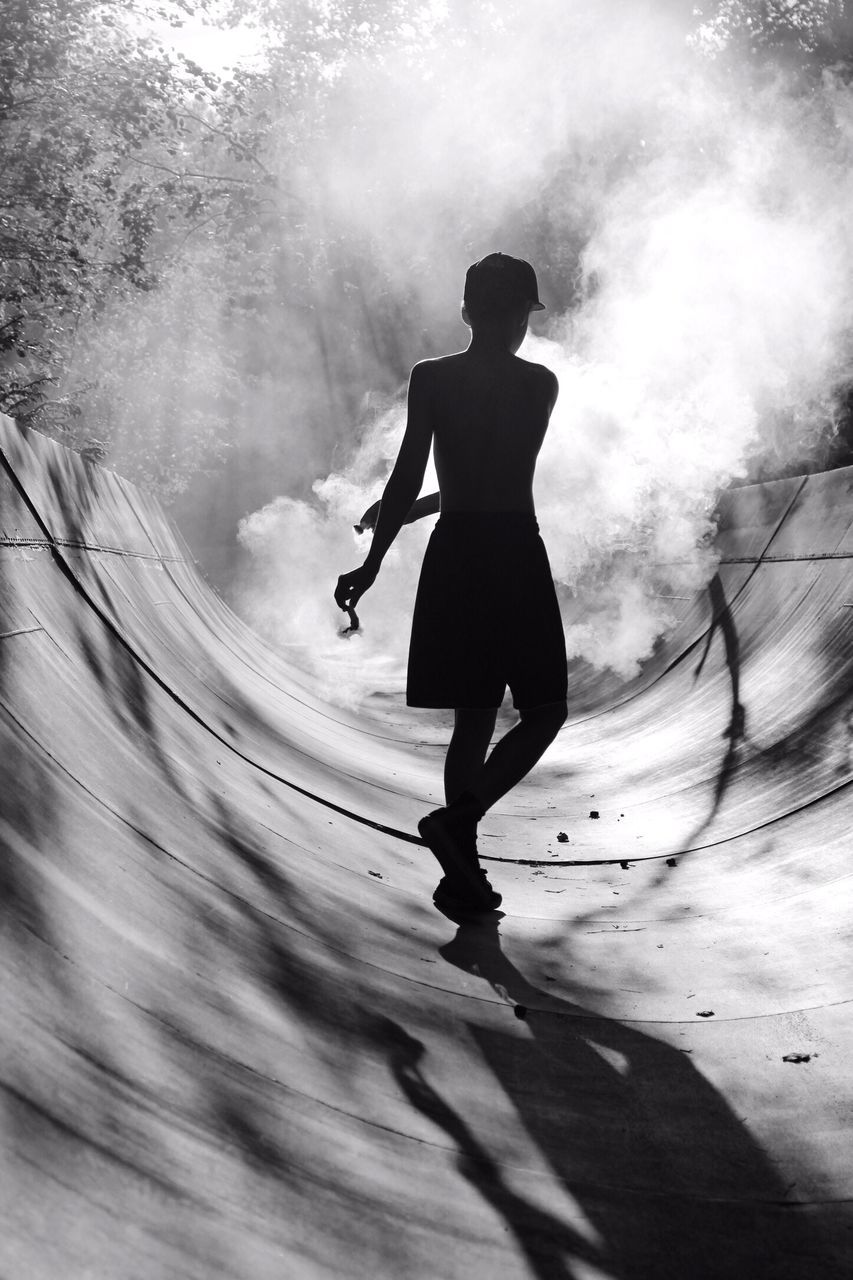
[{"x": 488, "y": 343}]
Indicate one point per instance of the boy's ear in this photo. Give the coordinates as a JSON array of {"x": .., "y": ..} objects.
[{"x": 465, "y": 316}]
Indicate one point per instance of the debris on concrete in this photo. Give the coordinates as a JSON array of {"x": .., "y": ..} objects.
[
  {"x": 670, "y": 862},
  {"x": 375, "y": 873},
  {"x": 593, "y": 813},
  {"x": 562, "y": 837},
  {"x": 797, "y": 1057},
  {"x": 521, "y": 1011},
  {"x": 705, "y": 1013},
  {"x": 626, "y": 866}
]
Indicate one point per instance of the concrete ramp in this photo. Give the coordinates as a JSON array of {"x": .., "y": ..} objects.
[{"x": 240, "y": 1042}]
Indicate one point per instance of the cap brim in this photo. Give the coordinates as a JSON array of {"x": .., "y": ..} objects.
[{"x": 538, "y": 306}]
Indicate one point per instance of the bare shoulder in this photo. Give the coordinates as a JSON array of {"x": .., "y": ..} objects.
[
  {"x": 543, "y": 378},
  {"x": 434, "y": 367},
  {"x": 420, "y": 382},
  {"x": 540, "y": 372}
]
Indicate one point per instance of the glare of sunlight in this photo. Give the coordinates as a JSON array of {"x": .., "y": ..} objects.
[{"x": 215, "y": 48}]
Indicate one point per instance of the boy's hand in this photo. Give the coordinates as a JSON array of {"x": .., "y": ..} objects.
[{"x": 352, "y": 586}]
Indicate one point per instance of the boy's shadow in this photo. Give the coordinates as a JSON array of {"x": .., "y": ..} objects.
[{"x": 668, "y": 1180}]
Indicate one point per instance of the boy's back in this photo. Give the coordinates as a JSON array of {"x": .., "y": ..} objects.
[{"x": 489, "y": 412}]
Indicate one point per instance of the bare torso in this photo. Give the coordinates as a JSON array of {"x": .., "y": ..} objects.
[{"x": 489, "y": 413}]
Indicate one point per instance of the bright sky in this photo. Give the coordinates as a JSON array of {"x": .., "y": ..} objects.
[{"x": 214, "y": 48}]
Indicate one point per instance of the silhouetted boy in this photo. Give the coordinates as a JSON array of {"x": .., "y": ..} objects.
[{"x": 486, "y": 614}]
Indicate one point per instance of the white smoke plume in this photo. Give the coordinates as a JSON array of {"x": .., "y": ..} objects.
[
  {"x": 711, "y": 325},
  {"x": 298, "y": 549}
]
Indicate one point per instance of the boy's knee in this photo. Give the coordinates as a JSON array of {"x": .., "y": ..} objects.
[
  {"x": 551, "y": 715},
  {"x": 560, "y": 712}
]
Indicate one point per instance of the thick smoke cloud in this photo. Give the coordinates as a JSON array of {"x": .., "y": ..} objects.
[{"x": 710, "y": 305}]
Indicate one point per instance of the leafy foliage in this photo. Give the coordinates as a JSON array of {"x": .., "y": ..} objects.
[
  {"x": 803, "y": 35},
  {"x": 114, "y": 155}
]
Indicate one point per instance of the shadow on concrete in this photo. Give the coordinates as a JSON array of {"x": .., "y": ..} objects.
[{"x": 667, "y": 1177}]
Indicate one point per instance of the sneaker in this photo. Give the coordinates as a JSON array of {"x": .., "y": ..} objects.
[
  {"x": 457, "y": 856},
  {"x": 455, "y": 900}
]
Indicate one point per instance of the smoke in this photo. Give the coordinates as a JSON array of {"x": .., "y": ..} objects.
[
  {"x": 298, "y": 549},
  {"x": 693, "y": 230}
]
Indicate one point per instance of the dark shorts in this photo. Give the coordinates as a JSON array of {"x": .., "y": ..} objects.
[{"x": 486, "y": 616}]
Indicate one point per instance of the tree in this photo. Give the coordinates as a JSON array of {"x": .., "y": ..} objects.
[
  {"x": 803, "y": 36},
  {"x": 113, "y": 156}
]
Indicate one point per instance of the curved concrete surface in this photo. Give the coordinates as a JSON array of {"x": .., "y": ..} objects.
[{"x": 239, "y": 1040}]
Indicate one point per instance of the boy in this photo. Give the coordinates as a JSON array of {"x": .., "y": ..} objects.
[{"x": 486, "y": 613}]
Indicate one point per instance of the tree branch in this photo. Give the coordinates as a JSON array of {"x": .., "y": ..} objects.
[
  {"x": 234, "y": 142},
  {"x": 190, "y": 173}
]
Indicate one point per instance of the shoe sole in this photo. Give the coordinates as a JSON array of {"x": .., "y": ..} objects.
[{"x": 457, "y": 906}]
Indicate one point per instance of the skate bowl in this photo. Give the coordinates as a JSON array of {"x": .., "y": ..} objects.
[{"x": 239, "y": 1040}]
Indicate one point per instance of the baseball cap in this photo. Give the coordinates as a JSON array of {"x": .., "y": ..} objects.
[{"x": 498, "y": 280}]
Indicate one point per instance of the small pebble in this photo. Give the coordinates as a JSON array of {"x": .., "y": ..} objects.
[
  {"x": 626, "y": 866},
  {"x": 562, "y": 837},
  {"x": 670, "y": 862},
  {"x": 797, "y": 1057},
  {"x": 593, "y": 813},
  {"x": 706, "y": 1013}
]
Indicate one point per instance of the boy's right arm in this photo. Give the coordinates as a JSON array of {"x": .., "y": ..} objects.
[{"x": 400, "y": 492}]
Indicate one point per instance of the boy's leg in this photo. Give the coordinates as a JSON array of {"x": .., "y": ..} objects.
[
  {"x": 463, "y": 879},
  {"x": 517, "y": 752},
  {"x": 448, "y": 831},
  {"x": 472, "y": 732}
]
